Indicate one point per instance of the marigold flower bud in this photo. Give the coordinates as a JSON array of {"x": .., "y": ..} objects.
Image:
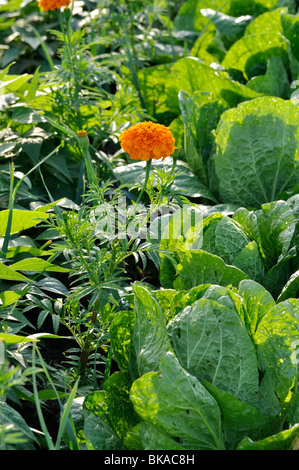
[{"x": 83, "y": 139}]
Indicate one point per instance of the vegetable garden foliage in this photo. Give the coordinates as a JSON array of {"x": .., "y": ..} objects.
[{"x": 180, "y": 342}]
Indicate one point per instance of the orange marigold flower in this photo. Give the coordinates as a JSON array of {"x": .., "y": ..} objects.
[
  {"x": 47, "y": 5},
  {"x": 147, "y": 140}
]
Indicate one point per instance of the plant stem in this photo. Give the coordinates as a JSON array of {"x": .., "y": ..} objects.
[
  {"x": 147, "y": 173},
  {"x": 10, "y": 214},
  {"x": 86, "y": 348}
]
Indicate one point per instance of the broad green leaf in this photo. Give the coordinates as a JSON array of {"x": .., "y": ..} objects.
[
  {"x": 284, "y": 440},
  {"x": 120, "y": 412},
  {"x": 190, "y": 75},
  {"x": 277, "y": 340},
  {"x": 201, "y": 114},
  {"x": 164, "y": 298},
  {"x": 199, "y": 267},
  {"x": 230, "y": 239},
  {"x": 255, "y": 50},
  {"x": 8, "y": 298},
  {"x": 290, "y": 29},
  {"x": 291, "y": 289},
  {"x": 190, "y": 17},
  {"x": 184, "y": 298},
  {"x": 177, "y": 404},
  {"x": 266, "y": 22},
  {"x": 121, "y": 330},
  {"x": 220, "y": 294},
  {"x": 212, "y": 343},
  {"x": 21, "y": 220},
  {"x": 10, "y": 275},
  {"x": 112, "y": 404},
  {"x": 277, "y": 224},
  {"x": 275, "y": 82},
  {"x": 152, "y": 82},
  {"x": 150, "y": 339},
  {"x": 13, "y": 418},
  {"x": 53, "y": 285},
  {"x": 257, "y": 303},
  {"x": 208, "y": 47},
  {"x": 150, "y": 438},
  {"x": 250, "y": 261},
  {"x": 37, "y": 264},
  {"x": 15, "y": 339},
  {"x": 240, "y": 419},
  {"x": 99, "y": 435},
  {"x": 13, "y": 251},
  {"x": 11, "y": 5},
  {"x": 13, "y": 82},
  {"x": 230, "y": 28},
  {"x": 256, "y": 155},
  {"x": 278, "y": 276}
]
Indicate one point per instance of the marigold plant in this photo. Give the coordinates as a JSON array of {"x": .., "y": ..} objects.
[
  {"x": 47, "y": 5},
  {"x": 147, "y": 140}
]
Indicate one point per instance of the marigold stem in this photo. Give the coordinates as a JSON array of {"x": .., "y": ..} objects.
[{"x": 147, "y": 173}]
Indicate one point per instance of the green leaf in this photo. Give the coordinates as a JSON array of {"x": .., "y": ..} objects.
[
  {"x": 150, "y": 438},
  {"x": 267, "y": 22},
  {"x": 8, "y": 298},
  {"x": 37, "y": 264},
  {"x": 275, "y": 82},
  {"x": 291, "y": 289},
  {"x": 10, "y": 275},
  {"x": 255, "y": 50},
  {"x": 150, "y": 339},
  {"x": 199, "y": 267},
  {"x": 32, "y": 89},
  {"x": 177, "y": 404},
  {"x": 152, "y": 82},
  {"x": 250, "y": 261},
  {"x": 119, "y": 413},
  {"x": 277, "y": 224},
  {"x": 230, "y": 28},
  {"x": 256, "y": 154},
  {"x": 277, "y": 339},
  {"x": 15, "y": 339},
  {"x": 229, "y": 239},
  {"x": 209, "y": 340},
  {"x": 201, "y": 114},
  {"x": 283, "y": 440},
  {"x": 99, "y": 435},
  {"x": 240, "y": 419},
  {"x": 290, "y": 26},
  {"x": 13, "y": 83},
  {"x": 257, "y": 303},
  {"x": 121, "y": 330},
  {"x": 13, "y": 418},
  {"x": 21, "y": 220},
  {"x": 191, "y": 75},
  {"x": 190, "y": 17}
]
